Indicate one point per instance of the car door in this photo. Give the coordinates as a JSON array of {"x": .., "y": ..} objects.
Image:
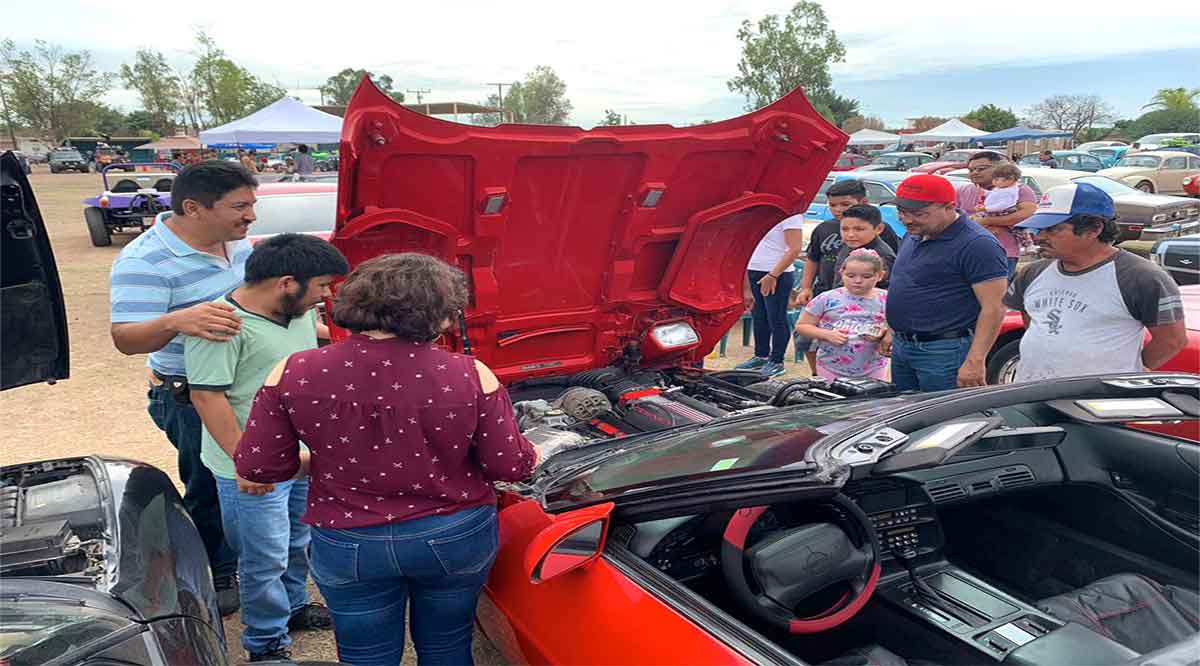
[
  {"x": 33, "y": 321},
  {"x": 1069, "y": 162},
  {"x": 1170, "y": 177},
  {"x": 1089, "y": 163}
]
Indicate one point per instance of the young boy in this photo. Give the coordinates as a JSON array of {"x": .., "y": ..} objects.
[
  {"x": 286, "y": 277},
  {"x": 862, "y": 227}
]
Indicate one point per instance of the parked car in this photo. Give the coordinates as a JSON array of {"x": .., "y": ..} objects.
[
  {"x": 130, "y": 202},
  {"x": 108, "y": 156},
  {"x": 1193, "y": 149},
  {"x": 1191, "y": 185},
  {"x": 697, "y": 517},
  {"x": 1074, "y": 160},
  {"x": 326, "y": 177},
  {"x": 1092, "y": 145},
  {"x": 952, "y": 160},
  {"x": 1109, "y": 156},
  {"x": 294, "y": 207},
  {"x": 1152, "y": 141},
  {"x": 1180, "y": 257},
  {"x": 67, "y": 159},
  {"x": 1155, "y": 171},
  {"x": 1006, "y": 352},
  {"x": 898, "y": 161},
  {"x": 881, "y": 191},
  {"x": 1140, "y": 216},
  {"x": 850, "y": 161}
]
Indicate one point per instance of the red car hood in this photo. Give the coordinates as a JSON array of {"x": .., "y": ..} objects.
[{"x": 577, "y": 243}]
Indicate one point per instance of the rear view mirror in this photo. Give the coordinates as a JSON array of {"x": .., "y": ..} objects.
[{"x": 575, "y": 550}]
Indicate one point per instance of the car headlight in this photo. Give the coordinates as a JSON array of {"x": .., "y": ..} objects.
[
  {"x": 1187, "y": 180},
  {"x": 676, "y": 335}
]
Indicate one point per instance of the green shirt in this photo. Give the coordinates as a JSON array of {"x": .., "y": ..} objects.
[{"x": 238, "y": 367}]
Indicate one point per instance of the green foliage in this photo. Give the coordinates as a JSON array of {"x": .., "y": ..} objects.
[
  {"x": 611, "y": 118},
  {"x": 991, "y": 118},
  {"x": 50, "y": 90},
  {"x": 1164, "y": 120},
  {"x": 779, "y": 56},
  {"x": 1169, "y": 99},
  {"x": 226, "y": 90},
  {"x": 142, "y": 121},
  {"x": 541, "y": 99},
  {"x": 340, "y": 87},
  {"x": 157, "y": 85},
  {"x": 840, "y": 108}
]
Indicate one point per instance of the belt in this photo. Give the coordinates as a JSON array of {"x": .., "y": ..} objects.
[{"x": 931, "y": 337}]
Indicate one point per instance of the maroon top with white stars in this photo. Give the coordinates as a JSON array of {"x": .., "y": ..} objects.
[{"x": 397, "y": 430}]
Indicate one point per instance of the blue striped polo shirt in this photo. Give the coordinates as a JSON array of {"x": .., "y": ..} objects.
[{"x": 158, "y": 273}]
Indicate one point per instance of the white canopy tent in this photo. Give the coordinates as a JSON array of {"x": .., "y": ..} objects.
[
  {"x": 870, "y": 137},
  {"x": 285, "y": 121},
  {"x": 952, "y": 130}
]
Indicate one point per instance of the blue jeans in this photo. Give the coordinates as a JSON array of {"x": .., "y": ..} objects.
[
  {"x": 181, "y": 424},
  {"x": 368, "y": 575},
  {"x": 272, "y": 548},
  {"x": 771, "y": 330},
  {"x": 928, "y": 366}
]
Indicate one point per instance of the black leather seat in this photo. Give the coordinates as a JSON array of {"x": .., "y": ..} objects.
[
  {"x": 1132, "y": 610},
  {"x": 869, "y": 655}
]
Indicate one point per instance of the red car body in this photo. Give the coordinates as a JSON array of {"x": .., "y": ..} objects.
[
  {"x": 1191, "y": 184},
  {"x": 850, "y": 162},
  {"x": 957, "y": 160}
]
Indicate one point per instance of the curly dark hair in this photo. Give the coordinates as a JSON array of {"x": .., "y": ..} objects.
[{"x": 410, "y": 295}]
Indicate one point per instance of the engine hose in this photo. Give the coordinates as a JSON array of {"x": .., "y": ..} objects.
[{"x": 781, "y": 396}]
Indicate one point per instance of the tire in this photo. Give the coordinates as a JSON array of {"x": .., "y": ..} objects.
[
  {"x": 1146, "y": 186},
  {"x": 1002, "y": 366},
  {"x": 53, "y": 170},
  {"x": 97, "y": 227}
]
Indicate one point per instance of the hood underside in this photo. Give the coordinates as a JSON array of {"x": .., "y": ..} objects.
[{"x": 576, "y": 243}]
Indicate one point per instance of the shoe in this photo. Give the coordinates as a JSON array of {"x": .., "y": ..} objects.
[
  {"x": 278, "y": 654},
  {"x": 754, "y": 363},
  {"x": 228, "y": 594},
  {"x": 771, "y": 369},
  {"x": 311, "y": 616}
]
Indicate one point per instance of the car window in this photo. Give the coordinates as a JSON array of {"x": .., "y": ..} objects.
[
  {"x": 1194, "y": 162},
  {"x": 1176, "y": 163},
  {"x": 1142, "y": 161},
  {"x": 1030, "y": 159},
  {"x": 1089, "y": 162},
  {"x": 300, "y": 213},
  {"x": 957, "y": 156},
  {"x": 1032, "y": 184},
  {"x": 36, "y": 632},
  {"x": 1068, "y": 161},
  {"x": 821, "y": 198},
  {"x": 878, "y": 194},
  {"x": 68, "y": 155}
]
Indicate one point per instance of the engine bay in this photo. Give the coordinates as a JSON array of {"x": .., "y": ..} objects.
[{"x": 51, "y": 520}]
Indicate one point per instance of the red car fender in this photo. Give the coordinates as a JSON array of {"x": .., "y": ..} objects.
[{"x": 592, "y": 615}]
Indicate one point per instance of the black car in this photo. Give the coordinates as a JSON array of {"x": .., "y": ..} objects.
[
  {"x": 100, "y": 563},
  {"x": 67, "y": 159},
  {"x": 1180, "y": 257}
]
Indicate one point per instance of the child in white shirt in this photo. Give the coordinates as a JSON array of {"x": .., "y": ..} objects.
[{"x": 1002, "y": 198}]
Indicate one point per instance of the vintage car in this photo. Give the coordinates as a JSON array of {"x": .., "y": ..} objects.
[
  {"x": 129, "y": 202},
  {"x": 1191, "y": 185},
  {"x": 1074, "y": 160},
  {"x": 952, "y": 160},
  {"x": 1092, "y": 145},
  {"x": 1153, "y": 141},
  {"x": 100, "y": 564},
  {"x": 1140, "y": 216},
  {"x": 1109, "y": 155},
  {"x": 897, "y": 162},
  {"x": 1180, "y": 257},
  {"x": 697, "y": 517},
  {"x": 881, "y": 191},
  {"x": 67, "y": 159},
  {"x": 1160, "y": 171},
  {"x": 850, "y": 161}
]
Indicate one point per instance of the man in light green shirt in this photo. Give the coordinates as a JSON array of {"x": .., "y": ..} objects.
[{"x": 286, "y": 277}]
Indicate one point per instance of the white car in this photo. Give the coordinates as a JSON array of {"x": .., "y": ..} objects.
[
  {"x": 1085, "y": 147},
  {"x": 1152, "y": 141}
]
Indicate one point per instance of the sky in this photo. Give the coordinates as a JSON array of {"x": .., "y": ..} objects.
[{"x": 663, "y": 61}]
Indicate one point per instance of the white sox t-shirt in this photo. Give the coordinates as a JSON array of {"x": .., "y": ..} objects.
[{"x": 1093, "y": 321}]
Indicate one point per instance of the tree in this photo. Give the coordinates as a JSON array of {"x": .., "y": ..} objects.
[
  {"x": 142, "y": 121},
  {"x": 991, "y": 118},
  {"x": 927, "y": 122},
  {"x": 841, "y": 108},
  {"x": 340, "y": 87},
  {"x": 1163, "y": 120},
  {"x": 157, "y": 85},
  {"x": 611, "y": 118},
  {"x": 1071, "y": 113},
  {"x": 541, "y": 99},
  {"x": 48, "y": 87},
  {"x": 856, "y": 123},
  {"x": 1174, "y": 98},
  {"x": 778, "y": 57},
  {"x": 227, "y": 90}
]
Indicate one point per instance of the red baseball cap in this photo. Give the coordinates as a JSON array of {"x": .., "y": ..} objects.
[{"x": 920, "y": 190}]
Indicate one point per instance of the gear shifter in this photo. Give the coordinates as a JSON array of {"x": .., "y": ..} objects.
[{"x": 920, "y": 587}]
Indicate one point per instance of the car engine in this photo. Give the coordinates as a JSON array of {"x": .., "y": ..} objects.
[
  {"x": 562, "y": 413},
  {"x": 51, "y": 520}
]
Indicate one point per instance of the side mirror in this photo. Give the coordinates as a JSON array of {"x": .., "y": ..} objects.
[{"x": 574, "y": 540}]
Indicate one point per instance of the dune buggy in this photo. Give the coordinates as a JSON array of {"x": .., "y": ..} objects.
[{"x": 130, "y": 201}]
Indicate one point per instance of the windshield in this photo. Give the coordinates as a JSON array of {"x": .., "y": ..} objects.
[
  {"x": 35, "y": 632},
  {"x": 300, "y": 213},
  {"x": 821, "y": 198},
  {"x": 67, "y": 155},
  {"x": 1030, "y": 159},
  {"x": 1103, "y": 152},
  {"x": 774, "y": 441},
  {"x": 1145, "y": 161},
  {"x": 957, "y": 156},
  {"x": 1110, "y": 186}
]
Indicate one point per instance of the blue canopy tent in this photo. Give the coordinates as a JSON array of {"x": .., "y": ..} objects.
[{"x": 1020, "y": 133}]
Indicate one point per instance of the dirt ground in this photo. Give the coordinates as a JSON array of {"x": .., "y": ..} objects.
[{"x": 101, "y": 409}]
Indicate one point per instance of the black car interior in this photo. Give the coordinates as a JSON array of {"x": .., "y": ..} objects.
[{"x": 1057, "y": 537}]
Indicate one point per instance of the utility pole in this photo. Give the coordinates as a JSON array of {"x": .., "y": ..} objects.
[
  {"x": 419, "y": 93},
  {"x": 500, "y": 97}
]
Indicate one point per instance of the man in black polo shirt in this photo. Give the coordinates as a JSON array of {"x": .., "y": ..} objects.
[{"x": 945, "y": 296}]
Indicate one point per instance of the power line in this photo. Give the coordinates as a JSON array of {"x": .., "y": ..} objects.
[{"x": 419, "y": 92}]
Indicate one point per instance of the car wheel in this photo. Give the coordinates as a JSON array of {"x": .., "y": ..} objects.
[
  {"x": 97, "y": 228},
  {"x": 1146, "y": 186},
  {"x": 1002, "y": 366}
]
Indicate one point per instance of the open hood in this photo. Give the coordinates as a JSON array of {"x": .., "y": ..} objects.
[
  {"x": 34, "y": 332},
  {"x": 577, "y": 244}
]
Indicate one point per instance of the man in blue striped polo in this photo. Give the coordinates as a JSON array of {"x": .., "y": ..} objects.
[{"x": 162, "y": 288}]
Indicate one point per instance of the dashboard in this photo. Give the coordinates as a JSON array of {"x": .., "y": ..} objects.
[{"x": 688, "y": 547}]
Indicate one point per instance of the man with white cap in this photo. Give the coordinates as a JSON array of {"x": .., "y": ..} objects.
[{"x": 1087, "y": 308}]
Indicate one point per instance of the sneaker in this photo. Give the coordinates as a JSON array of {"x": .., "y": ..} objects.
[
  {"x": 228, "y": 594},
  {"x": 754, "y": 363},
  {"x": 311, "y": 616},
  {"x": 771, "y": 369},
  {"x": 279, "y": 654}
]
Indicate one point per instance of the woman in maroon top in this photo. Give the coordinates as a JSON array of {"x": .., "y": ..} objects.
[{"x": 405, "y": 440}]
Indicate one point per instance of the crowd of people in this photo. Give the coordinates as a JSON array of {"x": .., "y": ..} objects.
[{"x": 368, "y": 464}]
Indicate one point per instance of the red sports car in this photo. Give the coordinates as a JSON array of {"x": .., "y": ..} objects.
[{"x": 694, "y": 517}]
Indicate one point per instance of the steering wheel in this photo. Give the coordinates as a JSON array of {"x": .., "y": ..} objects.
[{"x": 793, "y": 564}]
